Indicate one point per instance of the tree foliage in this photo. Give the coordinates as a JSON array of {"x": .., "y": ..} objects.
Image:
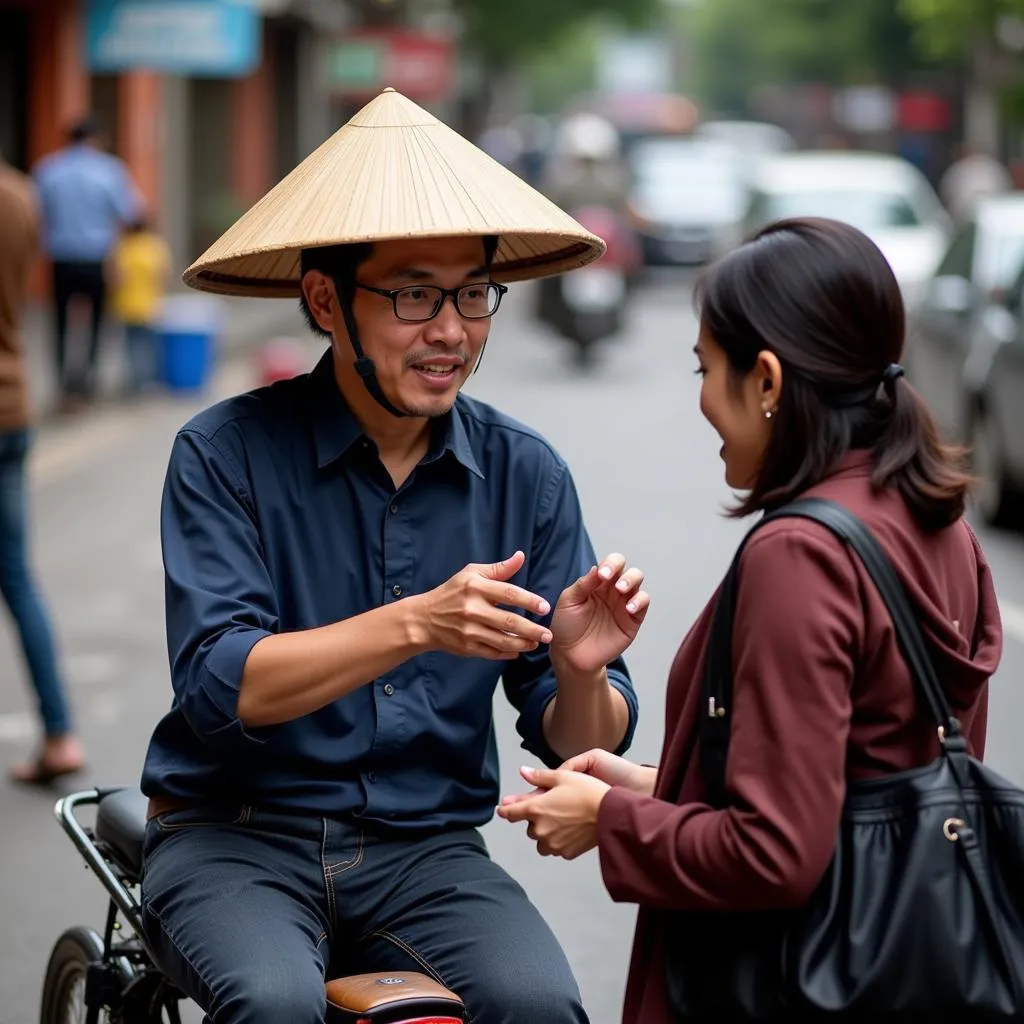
[
  {"x": 946, "y": 27},
  {"x": 743, "y": 43},
  {"x": 508, "y": 30}
]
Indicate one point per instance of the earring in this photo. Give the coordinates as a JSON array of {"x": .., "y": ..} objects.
[{"x": 769, "y": 413}]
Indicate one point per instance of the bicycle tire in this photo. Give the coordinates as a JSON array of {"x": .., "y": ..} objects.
[{"x": 66, "y": 970}]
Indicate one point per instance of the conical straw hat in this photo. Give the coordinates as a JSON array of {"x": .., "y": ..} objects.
[{"x": 394, "y": 171}]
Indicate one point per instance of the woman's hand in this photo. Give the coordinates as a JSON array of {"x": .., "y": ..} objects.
[
  {"x": 562, "y": 811},
  {"x": 614, "y": 770}
]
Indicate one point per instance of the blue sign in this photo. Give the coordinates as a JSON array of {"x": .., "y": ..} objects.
[{"x": 213, "y": 38}]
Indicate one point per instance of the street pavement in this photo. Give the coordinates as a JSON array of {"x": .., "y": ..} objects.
[{"x": 650, "y": 480}]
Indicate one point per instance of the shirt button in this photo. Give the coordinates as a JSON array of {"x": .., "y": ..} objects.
[
  {"x": 388, "y": 689},
  {"x": 397, "y": 590},
  {"x": 371, "y": 776},
  {"x": 394, "y": 507}
]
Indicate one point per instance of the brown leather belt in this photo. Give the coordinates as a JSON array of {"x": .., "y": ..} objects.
[{"x": 163, "y": 804}]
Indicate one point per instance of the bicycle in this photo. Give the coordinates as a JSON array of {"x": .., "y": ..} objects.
[{"x": 115, "y": 974}]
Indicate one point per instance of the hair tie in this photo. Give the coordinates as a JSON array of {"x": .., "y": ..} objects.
[{"x": 892, "y": 373}]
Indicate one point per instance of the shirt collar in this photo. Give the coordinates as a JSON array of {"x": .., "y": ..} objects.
[
  {"x": 336, "y": 430},
  {"x": 456, "y": 440}
]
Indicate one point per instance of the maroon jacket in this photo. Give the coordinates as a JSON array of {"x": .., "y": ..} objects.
[{"x": 821, "y": 695}]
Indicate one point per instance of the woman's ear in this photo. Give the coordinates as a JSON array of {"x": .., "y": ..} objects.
[{"x": 768, "y": 373}]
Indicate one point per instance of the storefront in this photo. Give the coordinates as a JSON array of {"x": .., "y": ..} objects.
[{"x": 208, "y": 103}]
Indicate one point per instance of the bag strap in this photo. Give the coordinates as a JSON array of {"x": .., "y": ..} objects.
[{"x": 715, "y": 725}]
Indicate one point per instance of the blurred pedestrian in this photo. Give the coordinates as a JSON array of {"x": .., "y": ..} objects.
[
  {"x": 972, "y": 176},
  {"x": 139, "y": 268},
  {"x": 588, "y": 169},
  {"x": 61, "y": 753},
  {"x": 87, "y": 196}
]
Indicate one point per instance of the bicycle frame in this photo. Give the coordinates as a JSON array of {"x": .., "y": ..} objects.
[
  {"x": 127, "y": 979},
  {"x": 123, "y": 900}
]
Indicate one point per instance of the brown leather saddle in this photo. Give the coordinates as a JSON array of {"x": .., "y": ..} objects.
[{"x": 400, "y": 998}]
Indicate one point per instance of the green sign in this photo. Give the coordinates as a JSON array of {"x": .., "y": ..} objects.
[{"x": 356, "y": 64}]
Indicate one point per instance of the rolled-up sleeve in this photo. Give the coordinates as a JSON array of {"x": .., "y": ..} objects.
[
  {"x": 219, "y": 597},
  {"x": 796, "y": 636},
  {"x": 560, "y": 554}
]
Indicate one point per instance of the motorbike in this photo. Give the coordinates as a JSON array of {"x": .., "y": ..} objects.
[
  {"x": 113, "y": 979},
  {"x": 589, "y": 304}
]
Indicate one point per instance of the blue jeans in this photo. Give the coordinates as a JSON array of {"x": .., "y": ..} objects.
[
  {"x": 248, "y": 910},
  {"x": 19, "y": 589},
  {"x": 141, "y": 348}
]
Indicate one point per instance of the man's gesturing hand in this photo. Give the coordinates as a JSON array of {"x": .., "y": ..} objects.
[{"x": 462, "y": 615}]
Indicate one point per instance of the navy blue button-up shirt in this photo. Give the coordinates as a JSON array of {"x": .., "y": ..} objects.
[{"x": 278, "y": 516}]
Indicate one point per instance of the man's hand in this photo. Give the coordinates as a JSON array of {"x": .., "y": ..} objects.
[
  {"x": 599, "y": 616},
  {"x": 462, "y": 615}
]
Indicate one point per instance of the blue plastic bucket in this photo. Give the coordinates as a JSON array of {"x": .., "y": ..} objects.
[
  {"x": 187, "y": 359},
  {"x": 188, "y": 333}
]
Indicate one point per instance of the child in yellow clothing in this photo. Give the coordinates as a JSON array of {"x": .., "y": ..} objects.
[{"x": 140, "y": 265}]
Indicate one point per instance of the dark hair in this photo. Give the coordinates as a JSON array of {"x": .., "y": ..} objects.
[
  {"x": 340, "y": 263},
  {"x": 84, "y": 129},
  {"x": 820, "y": 295}
]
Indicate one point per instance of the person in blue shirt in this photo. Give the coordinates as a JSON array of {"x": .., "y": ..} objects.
[
  {"x": 87, "y": 196},
  {"x": 354, "y": 558}
]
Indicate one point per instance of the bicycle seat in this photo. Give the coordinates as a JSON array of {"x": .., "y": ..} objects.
[
  {"x": 121, "y": 825},
  {"x": 391, "y": 998}
]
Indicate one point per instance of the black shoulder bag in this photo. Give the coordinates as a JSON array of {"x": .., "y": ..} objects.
[{"x": 920, "y": 916}]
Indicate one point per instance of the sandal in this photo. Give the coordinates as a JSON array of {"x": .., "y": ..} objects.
[{"x": 41, "y": 773}]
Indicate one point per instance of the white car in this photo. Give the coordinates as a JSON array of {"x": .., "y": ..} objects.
[
  {"x": 884, "y": 196},
  {"x": 687, "y": 199},
  {"x": 752, "y": 138}
]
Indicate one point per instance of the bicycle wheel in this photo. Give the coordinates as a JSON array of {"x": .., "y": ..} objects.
[{"x": 64, "y": 985}]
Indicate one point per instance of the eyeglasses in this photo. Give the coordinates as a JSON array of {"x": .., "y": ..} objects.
[{"x": 419, "y": 302}]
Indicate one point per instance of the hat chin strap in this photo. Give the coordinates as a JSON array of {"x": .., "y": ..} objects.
[
  {"x": 364, "y": 365},
  {"x": 366, "y": 368}
]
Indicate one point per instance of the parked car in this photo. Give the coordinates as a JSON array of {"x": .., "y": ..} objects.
[
  {"x": 883, "y": 195},
  {"x": 965, "y": 350},
  {"x": 687, "y": 199},
  {"x": 752, "y": 138},
  {"x": 997, "y": 423}
]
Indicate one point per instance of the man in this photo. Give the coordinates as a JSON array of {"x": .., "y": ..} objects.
[
  {"x": 353, "y": 559},
  {"x": 61, "y": 752},
  {"x": 87, "y": 196},
  {"x": 588, "y": 169}
]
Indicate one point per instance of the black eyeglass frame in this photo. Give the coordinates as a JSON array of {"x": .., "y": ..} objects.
[{"x": 393, "y": 294}]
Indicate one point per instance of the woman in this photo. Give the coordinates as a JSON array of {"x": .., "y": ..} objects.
[{"x": 800, "y": 333}]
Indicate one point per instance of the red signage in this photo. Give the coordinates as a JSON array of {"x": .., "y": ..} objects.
[{"x": 924, "y": 112}]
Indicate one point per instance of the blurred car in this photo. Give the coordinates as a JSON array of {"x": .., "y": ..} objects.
[
  {"x": 997, "y": 423},
  {"x": 687, "y": 199},
  {"x": 752, "y": 138},
  {"x": 965, "y": 351},
  {"x": 884, "y": 196}
]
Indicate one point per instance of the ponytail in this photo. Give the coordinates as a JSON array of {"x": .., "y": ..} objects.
[{"x": 910, "y": 456}]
